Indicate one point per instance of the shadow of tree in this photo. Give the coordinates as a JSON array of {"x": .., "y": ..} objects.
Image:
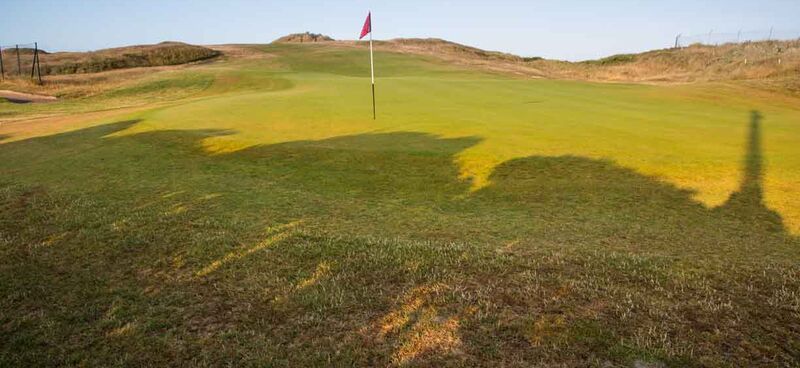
[{"x": 365, "y": 250}]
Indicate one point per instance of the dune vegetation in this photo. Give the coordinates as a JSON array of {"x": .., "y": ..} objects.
[
  {"x": 249, "y": 211},
  {"x": 165, "y": 53}
]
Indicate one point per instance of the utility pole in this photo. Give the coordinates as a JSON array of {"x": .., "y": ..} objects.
[
  {"x": 738, "y": 36},
  {"x": 770, "y": 34},
  {"x": 676, "y": 40}
]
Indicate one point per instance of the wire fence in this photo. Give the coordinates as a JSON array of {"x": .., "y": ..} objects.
[
  {"x": 20, "y": 61},
  {"x": 719, "y": 38}
]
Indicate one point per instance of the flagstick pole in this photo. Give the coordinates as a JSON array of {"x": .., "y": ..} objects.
[{"x": 371, "y": 66}]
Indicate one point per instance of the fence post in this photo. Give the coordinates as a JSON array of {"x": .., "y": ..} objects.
[
  {"x": 2, "y": 69},
  {"x": 38, "y": 63},
  {"x": 19, "y": 63},
  {"x": 33, "y": 62}
]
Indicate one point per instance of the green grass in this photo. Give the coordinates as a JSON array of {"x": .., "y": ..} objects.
[
  {"x": 613, "y": 59},
  {"x": 182, "y": 85},
  {"x": 481, "y": 220}
]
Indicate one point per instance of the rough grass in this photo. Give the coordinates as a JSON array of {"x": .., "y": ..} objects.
[
  {"x": 480, "y": 221},
  {"x": 757, "y": 61},
  {"x": 763, "y": 63},
  {"x": 165, "y": 53},
  {"x": 60, "y": 67},
  {"x": 114, "y": 93},
  {"x": 303, "y": 37}
]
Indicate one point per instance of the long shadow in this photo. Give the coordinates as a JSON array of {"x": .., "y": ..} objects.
[
  {"x": 747, "y": 203},
  {"x": 597, "y": 201},
  {"x": 151, "y": 232}
]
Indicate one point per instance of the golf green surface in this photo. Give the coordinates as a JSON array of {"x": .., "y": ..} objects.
[{"x": 251, "y": 212}]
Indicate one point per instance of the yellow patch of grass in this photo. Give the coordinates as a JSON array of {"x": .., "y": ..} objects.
[{"x": 276, "y": 235}]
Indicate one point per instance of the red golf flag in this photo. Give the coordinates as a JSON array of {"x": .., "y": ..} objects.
[{"x": 367, "y": 26}]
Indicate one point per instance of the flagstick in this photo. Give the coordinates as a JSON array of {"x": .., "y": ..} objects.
[{"x": 371, "y": 66}]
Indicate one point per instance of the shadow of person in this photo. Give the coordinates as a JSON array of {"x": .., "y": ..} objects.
[{"x": 747, "y": 203}]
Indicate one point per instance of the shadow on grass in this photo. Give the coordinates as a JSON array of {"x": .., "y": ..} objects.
[
  {"x": 364, "y": 250},
  {"x": 747, "y": 203}
]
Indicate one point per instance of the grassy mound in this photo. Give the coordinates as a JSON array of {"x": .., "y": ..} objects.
[
  {"x": 165, "y": 53},
  {"x": 303, "y": 38},
  {"x": 767, "y": 61},
  {"x": 439, "y": 46}
]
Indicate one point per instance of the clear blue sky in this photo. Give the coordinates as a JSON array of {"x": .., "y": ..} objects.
[{"x": 571, "y": 30}]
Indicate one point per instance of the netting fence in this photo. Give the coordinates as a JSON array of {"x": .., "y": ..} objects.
[
  {"x": 718, "y": 38},
  {"x": 20, "y": 61}
]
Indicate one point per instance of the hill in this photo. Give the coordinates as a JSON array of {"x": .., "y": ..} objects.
[
  {"x": 751, "y": 60},
  {"x": 165, "y": 53},
  {"x": 772, "y": 65},
  {"x": 303, "y": 38},
  {"x": 776, "y": 61}
]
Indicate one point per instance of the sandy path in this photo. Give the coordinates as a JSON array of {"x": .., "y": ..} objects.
[{"x": 18, "y": 97}]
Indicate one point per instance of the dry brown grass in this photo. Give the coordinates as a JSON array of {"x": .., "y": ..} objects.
[
  {"x": 747, "y": 61},
  {"x": 83, "y": 85},
  {"x": 777, "y": 63}
]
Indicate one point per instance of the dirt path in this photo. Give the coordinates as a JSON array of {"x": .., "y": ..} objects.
[{"x": 18, "y": 97}]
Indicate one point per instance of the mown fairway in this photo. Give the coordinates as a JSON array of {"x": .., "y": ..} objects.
[{"x": 251, "y": 212}]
